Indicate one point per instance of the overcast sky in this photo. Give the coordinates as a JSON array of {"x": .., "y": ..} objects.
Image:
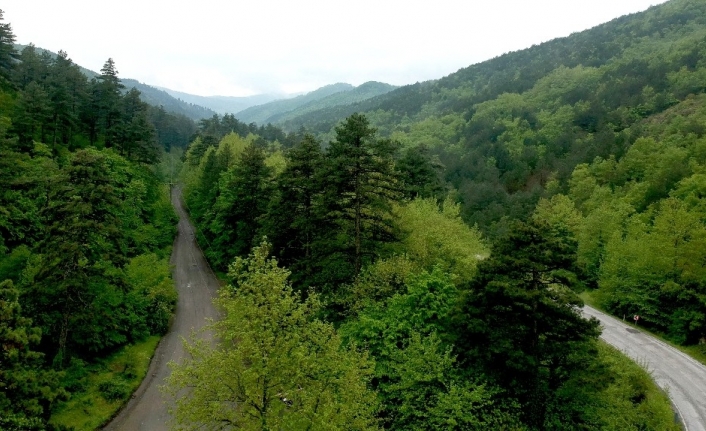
[{"x": 241, "y": 48}]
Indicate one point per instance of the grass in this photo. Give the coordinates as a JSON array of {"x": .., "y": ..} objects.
[
  {"x": 101, "y": 389},
  {"x": 631, "y": 400},
  {"x": 697, "y": 352}
]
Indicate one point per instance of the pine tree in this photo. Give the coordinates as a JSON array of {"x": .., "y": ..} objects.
[
  {"x": 8, "y": 55},
  {"x": 360, "y": 186},
  {"x": 107, "y": 100},
  {"x": 244, "y": 193},
  {"x": 520, "y": 321},
  {"x": 294, "y": 219}
]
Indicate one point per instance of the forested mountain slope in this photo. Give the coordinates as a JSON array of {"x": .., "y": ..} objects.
[
  {"x": 158, "y": 97},
  {"x": 505, "y": 127},
  {"x": 580, "y": 159},
  {"x": 259, "y": 114},
  {"x": 285, "y": 113},
  {"x": 362, "y": 92},
  {"x": 148, "y": 94},
  {"x": 224, "y": 104}
]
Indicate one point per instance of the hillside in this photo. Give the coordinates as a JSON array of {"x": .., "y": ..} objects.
[
  {"x": 224, "y": 104},
  {"x": 157, "y": 97},
  {"x": 358, "y": 94},
  {"x": 149, "y": 94},
  {"x": 505, "y": 127},
  {"x": 261, "y": 114}
]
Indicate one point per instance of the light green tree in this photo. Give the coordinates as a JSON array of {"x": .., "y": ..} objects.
[{"x": 275, "y": 366}]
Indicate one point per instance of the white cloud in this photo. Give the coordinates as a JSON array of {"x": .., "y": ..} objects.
[{"x": 247, "y": 47}]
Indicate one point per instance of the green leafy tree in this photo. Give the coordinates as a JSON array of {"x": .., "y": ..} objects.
[
  {"x": 275, "y": 365},
  {"x": 26, "y": 389},
  {"x": 417, "y": 376},
  {"x": 520, "y": 322}
]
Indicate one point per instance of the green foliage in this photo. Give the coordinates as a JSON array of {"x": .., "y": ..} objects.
[
  {"x": 27, "y": 390},
  {"x": 359, "y": 189},
  {"x": 153, "y": 289},
  {"x": 274, "y": 364},
  {"x": 519, "y": 321},
  {"x": 419, "y": 382},
  {"x": 244, "y": 194},
  {"x": 438, "y": 237},
  {"x": 100, "y": 388}
]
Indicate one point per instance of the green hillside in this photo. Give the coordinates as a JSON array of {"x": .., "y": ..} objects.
[
  {"x": 506, "y": 127},
  {"x": 157, "y": 97},
  {"x": 224, "y": 104},
  {"x": 288, "y": 120},
  {"x": 261, "y": 114},
  {"x": 148, "y": 94}
]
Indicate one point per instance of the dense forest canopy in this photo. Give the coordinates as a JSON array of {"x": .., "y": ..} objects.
[
  {"x": 569, "y": 158},
  {"x": 412, "y": 261}
]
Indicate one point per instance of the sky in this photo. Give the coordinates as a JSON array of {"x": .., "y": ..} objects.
[{"x": 247, "y": 47}]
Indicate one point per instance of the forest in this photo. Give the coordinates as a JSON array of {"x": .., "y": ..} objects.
[{"x": 413, "y": 261}]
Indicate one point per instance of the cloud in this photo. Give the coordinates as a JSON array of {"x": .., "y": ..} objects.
[{"x": 248, "y": 47}]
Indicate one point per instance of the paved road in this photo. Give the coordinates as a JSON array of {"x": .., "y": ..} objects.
[
  {"x": 680, "y": 375},
  {"x": 197, "y": 287}
]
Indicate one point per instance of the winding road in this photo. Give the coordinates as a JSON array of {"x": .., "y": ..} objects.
[
  {"x": 197, "y": 286},
  {"x": 678, "y": 374},
  {"x": 682, "y": 377}
]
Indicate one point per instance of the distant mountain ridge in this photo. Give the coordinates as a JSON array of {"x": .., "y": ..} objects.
[
  {"x": 280, "y": 109},
  {"x": 283, "y": 112},
  {"x": 225, "y": 104},
  {"x": 261, "y": 113},
  {"x": 357, "y": 94},
  {"x": 148, "y": 94}
]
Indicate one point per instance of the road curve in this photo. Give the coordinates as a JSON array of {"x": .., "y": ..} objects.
[
  {"x": 197, "y": 286},
  {"x": 681, "y": 376}
]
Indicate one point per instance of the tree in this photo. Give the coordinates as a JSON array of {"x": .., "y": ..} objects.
[
  {"x": 107, "y": 101},
  {"x": 8, "y": 55},
  {"x": 420, "y": 174},
  {"x": 293, "y": 221},
  {"x": 275, "y": 365},
  {"x": 417, "y": 376},
  {"x": 244, "y": 193},
  {"x": 360, "y": 187},
  {"x": 78, "y": 292},
  {"x": 520, "y": 322},
  {"x": 135, "y": 135},
  {"x": 26, "y": 390},
  {"x": 33, "y": 115}
]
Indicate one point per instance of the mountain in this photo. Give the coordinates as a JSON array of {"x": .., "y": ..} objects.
[
  {"x": 224, "y": 104},
  {"x": 358, "y": 94},
  {"x": 507, "y": 127},
  {"x": 157, "y": 97},
  {"x": 151, "y": 95},
  {"x": 262, "y": 113}
]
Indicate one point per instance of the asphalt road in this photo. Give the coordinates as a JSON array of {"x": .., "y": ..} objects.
[
  {"x": 682, "y": 377},
  {"x": 197, "y": 286}
]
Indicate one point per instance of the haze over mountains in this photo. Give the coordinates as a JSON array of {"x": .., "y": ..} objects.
[{"x": 261, "y": 108}]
